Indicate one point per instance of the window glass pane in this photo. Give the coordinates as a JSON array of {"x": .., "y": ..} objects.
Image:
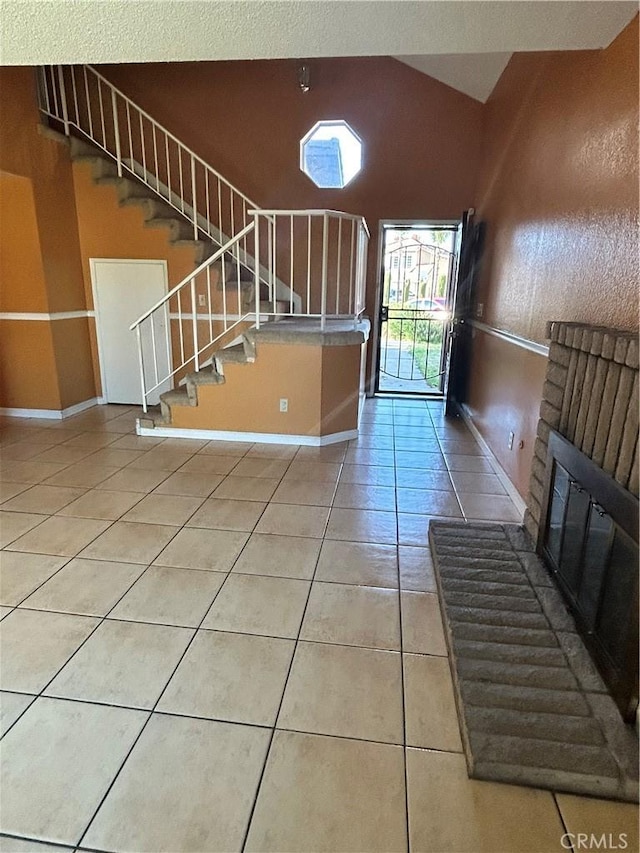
[
  {"x": 571, "y": 565},
  {"x": 331, "y": 154},
  {"x": 556, "y": 514},
  {"x": 596, "y": 553},
  {"x": 615, "y": 619}
]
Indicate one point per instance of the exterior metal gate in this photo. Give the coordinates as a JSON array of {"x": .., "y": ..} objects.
[{"x": 415, "y": 313}]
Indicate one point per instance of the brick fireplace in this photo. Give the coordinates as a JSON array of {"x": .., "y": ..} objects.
[
  {"x": 590, "y": 396},
  {"x": 582, "y": 508}
]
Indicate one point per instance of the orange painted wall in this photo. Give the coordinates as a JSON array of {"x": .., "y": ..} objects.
[
  {"x": 72, "y": 347},
  {"x": 420, "y": 137},
  {"x": 107, "y": 230},
  {"x": 320, "y": 383},
  {"x": 559, "y": 193},
  {"x": 41, "y": 271},
  {"x": 26, "y": 152},
  {"x": 53, "y": 218},
  {"x": 21, "y": 272},
  {"x": 28, "y": 369}
]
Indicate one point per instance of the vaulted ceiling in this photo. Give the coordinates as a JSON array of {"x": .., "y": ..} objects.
[{"x": 464, "y": 44}]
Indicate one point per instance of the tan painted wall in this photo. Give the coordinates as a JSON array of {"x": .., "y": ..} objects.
[
  {"x": 559, "y": 193},
  {"x": 320, "y": 383},
  {"x": 340, "y": 388},
  {"x": 506, "y": 394}
]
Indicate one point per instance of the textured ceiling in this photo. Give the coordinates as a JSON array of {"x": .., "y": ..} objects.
[
  {"x": 74, "y": 31},
  {"x": 474, "y": 74}
]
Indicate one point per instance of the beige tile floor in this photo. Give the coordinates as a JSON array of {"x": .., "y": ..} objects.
[{"x": 220, "y": 646}]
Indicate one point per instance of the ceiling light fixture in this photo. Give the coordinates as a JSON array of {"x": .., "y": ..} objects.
[{"x": 304, "y": 78}]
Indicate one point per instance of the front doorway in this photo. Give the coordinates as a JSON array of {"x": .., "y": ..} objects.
[{"x": 416, "y": 299}]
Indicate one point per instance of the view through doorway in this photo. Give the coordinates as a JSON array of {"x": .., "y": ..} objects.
[{"x": 418, "y": 273}]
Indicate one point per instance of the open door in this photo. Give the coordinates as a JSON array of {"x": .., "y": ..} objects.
[
  {"x": 418, "y": 269},
  {"x": 470, "y": 246}
]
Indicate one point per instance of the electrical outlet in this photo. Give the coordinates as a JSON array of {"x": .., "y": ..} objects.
[
  {"x": 202, "y": 301},
  {"x": 284, "y": 404},
  {"x": 479, "y": 309},
  {"x": 510, "y": 442}
]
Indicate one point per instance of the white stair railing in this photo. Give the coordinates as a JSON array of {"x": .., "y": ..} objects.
[
  {"x": 179, "y": 333},
  {"x": 79, "y": 97},
  {"x": 322, "y": 254},
  {"x": 325, "y": 255}
]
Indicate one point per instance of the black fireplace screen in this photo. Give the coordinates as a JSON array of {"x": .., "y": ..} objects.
[{"x": 590, "y": 543}]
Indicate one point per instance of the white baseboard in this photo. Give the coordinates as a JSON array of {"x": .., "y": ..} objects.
[
  {"x": 52, "y": 414},
  {"x": 511, "y": 490},
  {"x": 256, "y": 437},
  {"x": 80, "y": 407}
]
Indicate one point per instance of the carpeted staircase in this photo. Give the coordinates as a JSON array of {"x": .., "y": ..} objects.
[{"x": 187, "y": 394}]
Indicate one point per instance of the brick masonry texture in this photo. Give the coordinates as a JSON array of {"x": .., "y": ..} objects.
[{"x": 591, "y": 397}]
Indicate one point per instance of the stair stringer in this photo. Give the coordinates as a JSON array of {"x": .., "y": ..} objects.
[
  {"x": 129, "y": 191},
  {"x": 164, "y": 208},
  {"x": 283, "y": 292},
  {"x": 158, "y": 214}
]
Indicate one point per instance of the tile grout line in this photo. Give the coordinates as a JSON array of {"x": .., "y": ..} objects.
[
  {"x": 199, "y": 627},
  {"x": 173, "y": 672},
  {"x": 226, "y": 631},
  {"x": 9, "y": 550},
  {"x": 402, "y": 682},
  {"x": 225, "y": 720},
  {"x": 554, "y": 796},
  {"x": 284, "y": 688},
  {"x": 153, "y": 709},
  {"x": 101, "y": 620}
]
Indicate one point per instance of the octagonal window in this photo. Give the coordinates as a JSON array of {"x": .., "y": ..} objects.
[{"x": 331, "y": 154}]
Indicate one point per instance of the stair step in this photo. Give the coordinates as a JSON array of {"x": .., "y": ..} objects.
[
  {"x": 234, "y": 355},
  {"x": 136, "y": 186},
  {"x": 81, "y": 150},
  {"x": 154, "y": 207},
  {"x": 129, "y": 191},
  {"x": 202, "y": 248},
  {"x": 282, "y": 309},
  {"x": 178, "y": 397},
  {"x": 177, "y": 228},
  {"x": 206, "y": 376}
]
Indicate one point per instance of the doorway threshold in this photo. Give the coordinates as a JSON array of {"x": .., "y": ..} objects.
[{"x": 409, "y": 395}]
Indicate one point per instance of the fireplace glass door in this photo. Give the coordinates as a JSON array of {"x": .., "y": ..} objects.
[{"x": 589, "y": 545}]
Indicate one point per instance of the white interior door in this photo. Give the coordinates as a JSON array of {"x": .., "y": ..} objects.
[{"x": 122, "y": 291}]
